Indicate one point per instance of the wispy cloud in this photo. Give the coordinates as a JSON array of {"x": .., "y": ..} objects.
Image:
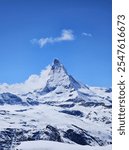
[
  {"x": 87, "y": 34},
  {"x": 66, "y": 35}
]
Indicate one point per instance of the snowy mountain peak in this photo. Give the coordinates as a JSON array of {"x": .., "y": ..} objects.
[{"x": 59, "y": 78}]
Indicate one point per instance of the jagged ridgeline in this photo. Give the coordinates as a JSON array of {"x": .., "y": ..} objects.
[{"x": 56, "y": 107}]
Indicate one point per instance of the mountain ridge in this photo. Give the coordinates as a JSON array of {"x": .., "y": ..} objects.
[{"x": 33, "y": 82}]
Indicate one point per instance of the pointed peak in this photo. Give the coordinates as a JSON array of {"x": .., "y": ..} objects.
[
  {"x": 56, "y": 61},
  {"x": 56, "y": 64}
]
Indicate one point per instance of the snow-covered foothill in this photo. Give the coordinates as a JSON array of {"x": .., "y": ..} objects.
[{"x": 48, "y": 145}]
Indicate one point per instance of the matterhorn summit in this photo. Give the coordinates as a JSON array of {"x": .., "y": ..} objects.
[{"x": 59, "y": 79}]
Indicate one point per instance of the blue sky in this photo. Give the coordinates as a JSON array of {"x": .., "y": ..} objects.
[{"x": 34, "y": 32}]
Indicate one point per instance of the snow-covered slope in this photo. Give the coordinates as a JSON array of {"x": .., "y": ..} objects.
[
  {"x": 55, "y": 107},
  {"x": 47, "y": 145}
]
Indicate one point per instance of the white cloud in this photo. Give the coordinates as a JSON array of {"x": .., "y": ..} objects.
[
  {"x": 66, "y": 35},
  {"x": 87, "y": 34},
  {"x": 32, "y": 83}
]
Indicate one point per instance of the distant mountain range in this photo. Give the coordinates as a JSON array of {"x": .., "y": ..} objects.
[{"x": 55, "y": 107}]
